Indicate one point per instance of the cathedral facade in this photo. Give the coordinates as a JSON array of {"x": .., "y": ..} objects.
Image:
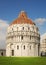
[{"x": 23, "y": 38}]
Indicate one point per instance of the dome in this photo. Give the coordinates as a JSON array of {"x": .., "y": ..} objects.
[{"x": 22, "y": 19}]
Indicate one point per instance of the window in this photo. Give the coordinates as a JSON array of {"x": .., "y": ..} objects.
[
  {"x": 23, "y": 28},
  {"x": 17, "y": 46},
  {"x": 30, "y": 47},
  {"x": 22, "y": 37},
  {"x": 24, "y": 47},
  {"x": 12, "y": 52},
  {"x": 30, "y": 37}
]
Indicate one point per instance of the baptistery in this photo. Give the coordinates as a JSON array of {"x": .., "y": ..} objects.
[{"x": 23, "y": 38}]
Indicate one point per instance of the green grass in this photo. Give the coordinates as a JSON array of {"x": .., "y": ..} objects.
[{"x": 22, "y": 60}]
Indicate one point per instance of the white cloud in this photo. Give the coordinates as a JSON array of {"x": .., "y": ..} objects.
[
  {"x": 3, "y": 28},
  {"x": 40, "y": 21},
  {"x": 3, "y": 23}
]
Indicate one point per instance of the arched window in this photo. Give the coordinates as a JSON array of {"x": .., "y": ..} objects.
[
  {"x": 23, "y": 28},
  {"x": 22, "y": 37},
  {"x": 17, "y": 46},
  {"x": 30, "y": 37},
  {"x": 24, "y": 47}
]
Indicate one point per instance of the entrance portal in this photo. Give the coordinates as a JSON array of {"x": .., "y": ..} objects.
[{"x": 12, "y": 52}]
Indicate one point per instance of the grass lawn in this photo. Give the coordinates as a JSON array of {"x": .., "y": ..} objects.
[{"x": 22, "y": 60}]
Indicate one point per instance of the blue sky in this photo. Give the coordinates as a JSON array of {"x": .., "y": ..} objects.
[{"x": 9, "y": 10}]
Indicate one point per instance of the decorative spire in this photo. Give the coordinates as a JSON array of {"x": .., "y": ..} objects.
[{"x": 23, "y": 14}]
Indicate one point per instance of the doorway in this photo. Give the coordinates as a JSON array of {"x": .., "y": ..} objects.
[{"x": 12, "y": 52}]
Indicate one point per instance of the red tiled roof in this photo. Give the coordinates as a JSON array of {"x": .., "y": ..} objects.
[{"x": 22, "y": 19}]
